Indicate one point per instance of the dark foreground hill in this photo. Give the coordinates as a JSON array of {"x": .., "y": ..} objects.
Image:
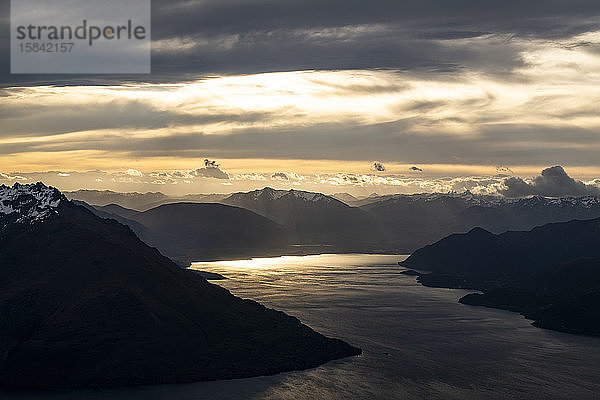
[
  {"x": 83, "y": 302},
  {"x": 189, "y": 231},
  {"x": 550, "y": 274}
]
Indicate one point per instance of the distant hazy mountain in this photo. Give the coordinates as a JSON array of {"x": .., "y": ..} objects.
[
  {"x": 390, "y": 223},
  {"x": 83, "y": 302},
  {"x": 129, "y": 200},
  {"x": 372, "y": 198},
  {"x": 345, "y": 198},
  {"x": 358, "y": 201},
  {"x": 201, "y": 198},
  {"x": 115, "y": 209},
  {"x": 314, "y": 218},
  {"x": 413, "y": 221},
  {"x": 138, "y": 201},
  {"x": 550, "y": 274},
  {"x": 500, "y": 215}
]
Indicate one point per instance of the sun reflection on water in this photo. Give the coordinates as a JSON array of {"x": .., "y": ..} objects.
[{"x": 321, "y": 260}]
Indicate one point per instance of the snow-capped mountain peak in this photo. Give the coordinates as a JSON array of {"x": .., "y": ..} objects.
[
  {"x": 275, "y": 194},
  {"x": 29, "y": 203}
]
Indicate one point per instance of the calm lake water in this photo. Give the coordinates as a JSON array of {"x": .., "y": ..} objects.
[{"x": 418, "y": 342}]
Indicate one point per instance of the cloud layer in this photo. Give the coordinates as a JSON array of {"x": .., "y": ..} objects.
[{"x": 552, "y": 182}]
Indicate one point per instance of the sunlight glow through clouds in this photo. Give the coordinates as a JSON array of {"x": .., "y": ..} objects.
[
  {"x": 292, "y": 98},
  {"x": 161, "y": 125}
]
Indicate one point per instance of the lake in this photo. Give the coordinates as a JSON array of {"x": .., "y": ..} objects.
[{"x": 418, "y": 342}]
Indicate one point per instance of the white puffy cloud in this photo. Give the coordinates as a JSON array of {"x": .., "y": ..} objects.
[
  {"x": 180, "y": 182},
  {"x": 133, "y": 172}
]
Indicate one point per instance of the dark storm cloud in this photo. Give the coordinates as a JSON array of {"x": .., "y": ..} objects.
[
  {"x": 374, "y": 47},
  {"x": 437, "y": 18},
  {"x": 553, "y": 182},
  {"x": 245, "y": 36}
]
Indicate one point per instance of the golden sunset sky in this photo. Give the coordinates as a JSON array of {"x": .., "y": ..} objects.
[{"x": 468, "y": 99}]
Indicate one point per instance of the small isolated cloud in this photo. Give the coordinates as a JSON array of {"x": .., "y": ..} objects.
[
  {"x": 377, "y": 166},
  {"x": 553, "y": 182},
  {"x": 280, "y": 176},
  {"x": 210, "y": 170},
  {"x": 416, "y": 169},
  {"x": 501, "y": 169}
]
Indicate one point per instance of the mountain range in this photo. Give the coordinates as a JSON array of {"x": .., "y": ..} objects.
[
  {"x": 314, "y": 219},
  {"x": 84, "y": 302},
  {"x": 413, "y": 221},
  {"x": 300, "y": 222}
]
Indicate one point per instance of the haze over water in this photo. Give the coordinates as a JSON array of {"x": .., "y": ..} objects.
[{"x": 417, "y": 342}]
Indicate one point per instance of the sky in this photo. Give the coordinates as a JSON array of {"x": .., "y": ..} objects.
[{"x": 329, "y": 95}]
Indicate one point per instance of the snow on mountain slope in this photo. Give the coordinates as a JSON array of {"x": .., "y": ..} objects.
[
  {"x": 471, "y": 199},
  {"x": 274, "y": 194},
  {"x": 29, "y": 203}
]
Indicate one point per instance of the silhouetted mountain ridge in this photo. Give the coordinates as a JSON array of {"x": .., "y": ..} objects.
[
  {"x": 83, "y": 302},
  {"x": 550, "y": 274}
]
